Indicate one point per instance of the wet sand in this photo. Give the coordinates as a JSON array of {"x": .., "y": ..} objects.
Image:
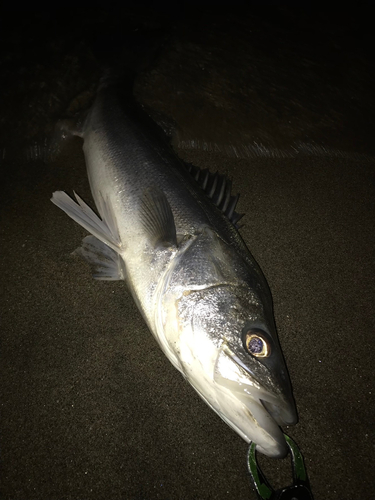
[{"x": 90, "y": 406}]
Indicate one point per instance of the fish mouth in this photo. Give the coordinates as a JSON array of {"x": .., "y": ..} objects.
[{"x": 262, "y": 411}]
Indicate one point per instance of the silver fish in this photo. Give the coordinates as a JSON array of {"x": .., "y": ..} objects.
[{"x": 170, "y": 232}]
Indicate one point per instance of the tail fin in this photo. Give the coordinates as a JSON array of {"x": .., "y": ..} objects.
[{"x": 124, "y": 56}]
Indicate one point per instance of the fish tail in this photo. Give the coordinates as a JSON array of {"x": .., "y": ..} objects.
[{"x": 133, "y": 54}]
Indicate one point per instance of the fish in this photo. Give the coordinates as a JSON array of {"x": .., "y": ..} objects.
[{"x": 170, "y": 230}]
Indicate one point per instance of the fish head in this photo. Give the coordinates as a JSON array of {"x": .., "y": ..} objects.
[{"x": 229, "y": 351}]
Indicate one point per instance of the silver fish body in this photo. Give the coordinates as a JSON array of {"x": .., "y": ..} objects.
[{"x": 196, "y": 284}]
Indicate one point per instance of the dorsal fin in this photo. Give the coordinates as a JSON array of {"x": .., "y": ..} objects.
[{"x": 218, "y": 188}]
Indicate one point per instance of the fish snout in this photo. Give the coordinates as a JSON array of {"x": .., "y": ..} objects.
[
  {"x": 262, "y": 410},
  {"x": 283, "y": 414}
]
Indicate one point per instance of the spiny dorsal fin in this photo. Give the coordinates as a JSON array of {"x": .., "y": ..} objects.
[{"x": 218, "y": 188}]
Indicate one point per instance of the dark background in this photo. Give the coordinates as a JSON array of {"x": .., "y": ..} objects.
[{"x": 281, "y": 99}]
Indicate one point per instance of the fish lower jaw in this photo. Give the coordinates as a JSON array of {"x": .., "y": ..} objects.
[
  {"x": 281, "y": 414},
  {"x": 273, "y": 446},
  {"x": 251, "y": 420},
  {"x": 273, "y": 454},
  {"x": 246, "y": 415}
]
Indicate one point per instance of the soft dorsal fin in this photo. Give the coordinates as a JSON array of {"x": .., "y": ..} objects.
[{"x": 218, "y": 188}]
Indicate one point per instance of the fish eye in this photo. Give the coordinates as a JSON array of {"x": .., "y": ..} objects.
[{"x": 255, "y": 344}]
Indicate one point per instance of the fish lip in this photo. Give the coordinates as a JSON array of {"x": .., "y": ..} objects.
[
  {"x": 280, "y": 453},
  {"x": 280, "y": 408},
  {"x": 282, "y": 414},
  {"x": 269, "y": 410}
]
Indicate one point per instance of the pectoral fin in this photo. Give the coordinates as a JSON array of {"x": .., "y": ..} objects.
[{"x": 157, "y": 218}]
